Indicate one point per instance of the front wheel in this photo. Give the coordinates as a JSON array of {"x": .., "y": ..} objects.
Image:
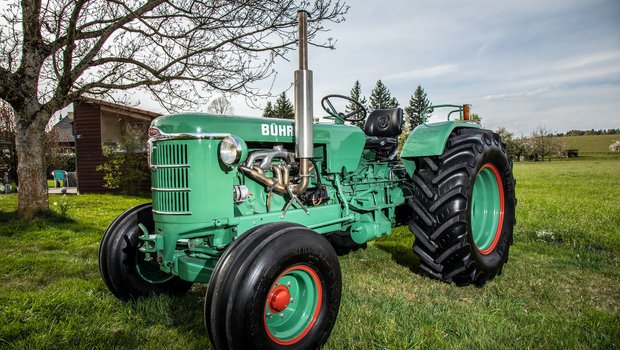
[
  {"x": 125, "y": 271},
  {"x": 276, "y": 287},
  {"x": 464, "y": 208}
]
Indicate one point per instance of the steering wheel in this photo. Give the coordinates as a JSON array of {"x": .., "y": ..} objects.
[{"x": 358, "y": 113}]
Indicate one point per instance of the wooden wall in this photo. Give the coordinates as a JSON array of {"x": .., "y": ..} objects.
[{"x": 88, "y": 150}]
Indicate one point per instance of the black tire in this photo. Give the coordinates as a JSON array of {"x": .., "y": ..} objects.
[
  {"x": 119, "y": 256},
  {"x": 236, "y": 297},
  {"x": 442, "y": 221}
]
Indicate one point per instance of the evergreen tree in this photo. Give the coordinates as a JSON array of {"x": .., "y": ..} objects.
[
  {"x": 268, "y": 112},
  {"x": 393, "y": 103},
  {"x": 381, "y": 98},
  {"x": 283, "y": 108},
  {"x": 417, "y": 104},
  {"x": 356, "y": 94}
]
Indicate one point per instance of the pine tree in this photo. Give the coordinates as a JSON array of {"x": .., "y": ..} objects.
[
  {"x": 381, "y": 98},
  {"x": 356, "y": 93},
  {"x": 268, "y": 112},
  {"x": 283, "y": 108},
  {"x": 393, "y": 103},
  {"x": 417, "y": 104}
]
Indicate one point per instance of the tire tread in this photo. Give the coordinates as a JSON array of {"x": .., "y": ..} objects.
[{"x": 439, "y": 206}]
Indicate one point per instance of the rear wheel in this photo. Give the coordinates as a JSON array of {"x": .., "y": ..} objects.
[
  {"x": 464, "y": 208},
  {"x": 124, "y": 269},
  {"x": 276, "y": 287}
]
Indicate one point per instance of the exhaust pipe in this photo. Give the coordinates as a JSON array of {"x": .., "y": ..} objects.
[
  {"x": 304, "y": 137},
  {"x": 304, "y": 145}
]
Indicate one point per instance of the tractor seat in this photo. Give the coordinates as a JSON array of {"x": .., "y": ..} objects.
[
  {"x": 384, "y": 123},
  {"x": 382, "y": 129}
]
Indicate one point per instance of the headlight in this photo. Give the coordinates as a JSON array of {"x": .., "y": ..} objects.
[{"x": 232, "y": 150}]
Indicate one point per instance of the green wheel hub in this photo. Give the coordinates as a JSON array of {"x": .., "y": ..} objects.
[
  {"x": 293, "y": 304},
  {"x": 487, "y": 209}
]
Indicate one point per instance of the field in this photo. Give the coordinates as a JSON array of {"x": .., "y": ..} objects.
[
  {"x": 589, "y": 143},
  {"x": 560, "y": 289}
]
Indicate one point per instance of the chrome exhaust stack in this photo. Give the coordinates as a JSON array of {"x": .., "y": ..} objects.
[
  {"x": 304, "y": 145},
  {"x": 304, "y": 137}
]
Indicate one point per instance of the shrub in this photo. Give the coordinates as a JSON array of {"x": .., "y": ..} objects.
[{"x": 126, "y": 169}]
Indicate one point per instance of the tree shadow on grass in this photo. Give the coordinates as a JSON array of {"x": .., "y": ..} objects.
[
  {"x": 11, "y": 223},
  {"x": 402, "y": 255},
  {"x": 49, "y": 215}
]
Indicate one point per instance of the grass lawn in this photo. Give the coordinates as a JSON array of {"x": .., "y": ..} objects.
[
  {"x": 590, "y": 143},
  {"x": 560, "y": 289}
]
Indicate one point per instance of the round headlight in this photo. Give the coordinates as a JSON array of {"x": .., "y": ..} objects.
[{"x": 232, "y": 150}]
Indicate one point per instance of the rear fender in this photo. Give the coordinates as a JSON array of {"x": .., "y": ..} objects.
[{"x": 428, "y": 140}]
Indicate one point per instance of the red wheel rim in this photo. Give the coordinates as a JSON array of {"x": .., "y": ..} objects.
[{"x": 292, "y": 305}]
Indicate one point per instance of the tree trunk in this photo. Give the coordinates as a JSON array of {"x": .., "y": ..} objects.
[{"x": 31, "y": 169}]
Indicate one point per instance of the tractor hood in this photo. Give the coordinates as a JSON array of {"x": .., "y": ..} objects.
[
  {"x": 253, "y": 129},
  {"x": 346, "y": 142}
]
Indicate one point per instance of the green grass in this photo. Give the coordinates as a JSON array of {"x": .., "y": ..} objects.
[
  {"x": 590, "y": 143},
  {"x": 576, "y": 202},
  {"x": 560, "y": 289}
]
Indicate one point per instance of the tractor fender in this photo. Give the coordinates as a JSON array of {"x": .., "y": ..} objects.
[{"x": 428, "y": 140}]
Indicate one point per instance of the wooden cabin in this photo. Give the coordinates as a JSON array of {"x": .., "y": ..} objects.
[{"x": 96, "y": 122}]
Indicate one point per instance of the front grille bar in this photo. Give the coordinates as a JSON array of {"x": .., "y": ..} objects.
[
  {"x": 155, "y": 167},
  {"x": 171, "y": 189},
  {"x": 172, "y": 212}
]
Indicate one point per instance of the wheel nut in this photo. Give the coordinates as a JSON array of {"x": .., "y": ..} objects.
[
  {"x": 292, "y": 300},
  {"x": 289, "y": 284},
  {"x": 269, "y": 315},
  {"x": 282, "y": 315}
]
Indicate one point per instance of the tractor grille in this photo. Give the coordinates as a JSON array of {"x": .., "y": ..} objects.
[{"x": 169, "y": 178}]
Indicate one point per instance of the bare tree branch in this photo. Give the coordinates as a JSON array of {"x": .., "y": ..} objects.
[{"x": 52, "y": 52}]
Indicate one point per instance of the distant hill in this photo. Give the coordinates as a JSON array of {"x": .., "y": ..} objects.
[{"x": 589, "y": 143}]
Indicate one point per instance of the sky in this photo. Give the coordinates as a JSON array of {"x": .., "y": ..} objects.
[{"x": 519, "y": 63}]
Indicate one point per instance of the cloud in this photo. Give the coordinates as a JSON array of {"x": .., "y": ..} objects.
[
  {"x": 430, "y": 72},
  {"x": 516, "y": 95},
  {"x": 595, "y": 58},
  {"x": 592, "y": 70}
]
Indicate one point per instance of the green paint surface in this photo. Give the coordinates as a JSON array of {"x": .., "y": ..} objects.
[
  {"x": 193, "y": 191},
  {"x": 485, "y": 209},
  {"x": 345, "y": 142},
  {"x": 430, "y": 139}
]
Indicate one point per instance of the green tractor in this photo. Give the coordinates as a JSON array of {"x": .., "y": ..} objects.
[{"x": 260, "y": 208}]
